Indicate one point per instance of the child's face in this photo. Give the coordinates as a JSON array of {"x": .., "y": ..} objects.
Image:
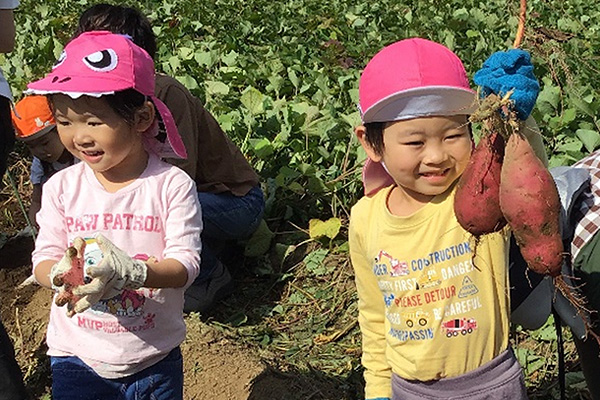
[
  {"x": 426, "y": 155},
  {"x": 48, "y": 147},
  {"x": 93, "y": 132}
]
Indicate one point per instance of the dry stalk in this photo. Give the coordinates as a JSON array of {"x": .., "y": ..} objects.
[{"x": 521, "y": 27}]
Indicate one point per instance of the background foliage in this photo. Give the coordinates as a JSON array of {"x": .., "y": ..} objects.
[{"x": 282, "y": 79}]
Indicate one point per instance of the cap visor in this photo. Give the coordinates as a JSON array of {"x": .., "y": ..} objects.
[
  {"x": 422, "y": 102},
  {"x": 77, "y": 86}
]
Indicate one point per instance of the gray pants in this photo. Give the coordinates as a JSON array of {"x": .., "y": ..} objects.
[{"x": 499, "y": 379}]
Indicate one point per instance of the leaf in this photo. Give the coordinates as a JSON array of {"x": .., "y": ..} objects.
[
  {"x": 204, "y": 58},
  {"x": 296, "y": 188},
  {"x": 581, "y": 103},
  {"x": 316, "y": 185},
  {"x": 569, "y": 116},
  {"x": 281, "y": 252},
  {"x": 549, "y": 97},
  {"x": 188, "y": 81},
  {"x": 461, "y": 14},
  {"x": 230, "y": 59},
  {"x": 216, "y": 87},
  {"x": 278, "y": 309},
  {"x": 237, "y": 319},
  {"x": 174, "y": 63},
  {"x": 589, "y": 138},
  {"x": 58, "y": 48},
  {"x": 358, "y": 22},
  {"x": 314, "y": 261},
  {"x": 293, "y": 78},
  {"x": 275, "y": 83},
  {"x": 449, "y": 40},
  {"x": 329, "y": 228},
  {"x": 260, "y": 242},
  {"x": 262, "y": 147},
  {"x": 265, "y": 341},
  {"x": 185, "y": 53},
  {"x": 569, "y": 144},
  {"x": 352, "y": 119},
  {"x": 252, "y": 99},
  {"x": 42, "y": 9}
]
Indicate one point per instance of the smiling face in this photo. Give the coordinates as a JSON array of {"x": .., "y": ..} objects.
[
  {"x": 424, "y": 156},
  {"x": 93, "y": 132}
]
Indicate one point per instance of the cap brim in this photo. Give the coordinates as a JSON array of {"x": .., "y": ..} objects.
[
  {"x": 36, "y": 135},
  {"x": 422, "y": 102},
  {"x": 75, "y": 87}
]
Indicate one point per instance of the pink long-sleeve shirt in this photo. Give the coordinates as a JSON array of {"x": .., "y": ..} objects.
[{"x": 158, "y": 215}]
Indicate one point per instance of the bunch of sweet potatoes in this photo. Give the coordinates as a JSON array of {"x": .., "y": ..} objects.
[{"x": 505, "y": 182}]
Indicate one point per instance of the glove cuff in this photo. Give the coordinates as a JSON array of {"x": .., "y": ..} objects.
[
  {"x": 138, "y": 275},
  {"x": 55, "y": 270}
]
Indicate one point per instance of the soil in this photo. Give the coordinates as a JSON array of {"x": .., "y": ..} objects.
[{"x": 215, "y": 367}]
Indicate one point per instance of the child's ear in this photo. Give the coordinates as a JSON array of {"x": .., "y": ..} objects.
[
  {"x": 361, "y": 133},
  {"x": 144, "y": 116}
]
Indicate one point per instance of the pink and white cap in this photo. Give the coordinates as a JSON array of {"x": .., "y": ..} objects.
[
  {"x": 411, "y": 78},
  {"x": 99, "y": 63}
]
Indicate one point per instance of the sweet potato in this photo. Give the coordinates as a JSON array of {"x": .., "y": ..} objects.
[
  {"x": 531, "y": 205},
  {"x": 476, "y": 204}
]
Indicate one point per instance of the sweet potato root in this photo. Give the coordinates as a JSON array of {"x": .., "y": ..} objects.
[
  {"x": 477, "y": 202},
  {"x": 531, "y": 205}
]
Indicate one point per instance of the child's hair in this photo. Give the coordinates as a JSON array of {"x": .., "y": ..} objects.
[
  {"x": 118, "y": 19},
  {"x": 124, "y": 103},
  {"x": 374, "y": 136}
]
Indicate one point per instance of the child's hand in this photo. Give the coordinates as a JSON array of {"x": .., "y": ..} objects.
[
  {"x": 510, "y": 70},
  {"x": 61, "y": 268},
  {"x": 67, "y": 274},
  {"x": 117, "y": 271}
]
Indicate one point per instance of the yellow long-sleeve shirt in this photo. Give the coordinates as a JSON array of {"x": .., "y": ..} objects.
[{"x": 432, "y": 303}]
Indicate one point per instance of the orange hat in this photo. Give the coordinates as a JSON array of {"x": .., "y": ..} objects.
[{"x": 32, "y": 118}]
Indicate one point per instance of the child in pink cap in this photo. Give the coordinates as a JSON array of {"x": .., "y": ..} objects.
[
  {"x": 134, "y": 220},
  {"x": 433, "y": 314}
]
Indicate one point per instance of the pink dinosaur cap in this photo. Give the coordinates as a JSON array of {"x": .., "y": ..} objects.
[
  {"x": 411, "y": 78},
  {"x": 99, "y": 63}
]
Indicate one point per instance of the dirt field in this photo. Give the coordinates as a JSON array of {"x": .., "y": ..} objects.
[{"x": 215, "y": 367}]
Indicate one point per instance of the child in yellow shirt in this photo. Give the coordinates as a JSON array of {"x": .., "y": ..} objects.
[{"x": 434, "y": 317}]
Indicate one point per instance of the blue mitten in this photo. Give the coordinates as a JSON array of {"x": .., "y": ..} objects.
[{"x": 507, "y": 70}]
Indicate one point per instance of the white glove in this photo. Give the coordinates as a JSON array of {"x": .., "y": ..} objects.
[
  {"x": 67, "y": 274},
  {"x": 115, "y": 272},
  {"x": 59, "y": 269}
]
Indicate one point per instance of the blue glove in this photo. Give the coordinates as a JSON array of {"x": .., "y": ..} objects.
[
  {"x": 380, "y": 398},
  {"x": 507, "y": 70}
]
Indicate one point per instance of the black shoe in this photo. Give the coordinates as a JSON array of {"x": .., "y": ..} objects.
[{"x": 202, "y": 296}]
